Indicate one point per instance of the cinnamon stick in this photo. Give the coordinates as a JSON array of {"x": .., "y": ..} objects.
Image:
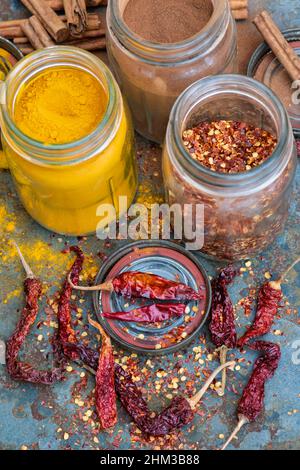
[
  {"x": 86, "y": 35},
  {"x": 51, "y": 21},
  {"x": 93, "y": 19},
  {"x": 22, "y": 40},
  {"x": 238, "y": 4},
  {"x": 240, "y": 14},
  {"x": 89, "y": 45},
  {"x": 76, "y": 16},
  {"x": 11, "y": 32},
  {"x": 281, "y": 48},
  {"x": 239, "y": 9},
  {"x": 12, "y": 29},
  {"x": 31, "y": 35},
  {"x": 26, "y": 49},
  {"x": 58, "y": 4},
  {"x": 41, "y": 32}
]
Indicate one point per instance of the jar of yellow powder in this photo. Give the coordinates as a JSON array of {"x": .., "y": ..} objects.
[{"x": 68, "y": 139}]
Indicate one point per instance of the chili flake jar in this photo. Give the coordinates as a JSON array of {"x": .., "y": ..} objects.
[
  {"x": 62, "y": 185},
  {"x": 152, "y": 75},
  {"x": 243, "y": 212}
]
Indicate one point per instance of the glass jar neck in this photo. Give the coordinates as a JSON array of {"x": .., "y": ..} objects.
[
  {"x": 73, "y": 152},
  {"x": 165, "y": 54},
  {"x": 192, "y": 107}
]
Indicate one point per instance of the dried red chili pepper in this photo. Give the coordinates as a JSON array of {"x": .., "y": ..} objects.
[
  {"x": 133, "y": 284},
  {"x": 222, "y": 325},
  {"x": 105, "y": 383},
  {"x": 66, "y": 332},
  {"x": 21, "y": 370},
  {"x": 252, "y": 400},
  {"x": 150, "y": 313},
  {"x": 269, "y": 298},
  {"x": 179, "y": 413}
]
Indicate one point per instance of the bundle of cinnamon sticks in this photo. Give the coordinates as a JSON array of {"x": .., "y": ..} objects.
[
  {"x": 46, "y": 28},
  {"x": 239, "y": 9}
]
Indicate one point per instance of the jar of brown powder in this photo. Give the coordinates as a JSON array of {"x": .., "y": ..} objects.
[
  {"x": 243, "y": 211},
  {"x": 156, "y": 54}
]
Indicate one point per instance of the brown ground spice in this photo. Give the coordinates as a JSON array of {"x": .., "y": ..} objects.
[
  {"x": 229, "y": 146},
  {"x": 167, "y": 21}
]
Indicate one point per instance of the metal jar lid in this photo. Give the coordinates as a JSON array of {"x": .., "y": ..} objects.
[
  {"x": 5, "y": 63},
  {"x": 168, "y": 260},
  {"x": 265, "y": 67}
]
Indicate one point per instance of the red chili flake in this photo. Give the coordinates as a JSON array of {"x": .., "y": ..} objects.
[
  {"x": 150, "y": 313},
  {"x": 229, "y": 146},
  {"x": 133, "y": 284},
  {"x": 252, "y": 400},
  {"x": 21, "y": 370}
]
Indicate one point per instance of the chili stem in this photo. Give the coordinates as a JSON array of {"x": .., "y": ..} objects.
[
  {"x": 97, "y": 326},
  {"x": 289, "y": 269},
  {"x": 108, "y": 286},
  {"x": 223, "y": 355},
  {"x": 26, "y": 266},
  {"x": 196, "y": 398},
  {"x": 242, "y": 421},
  {"x": 88, "y": 368}
]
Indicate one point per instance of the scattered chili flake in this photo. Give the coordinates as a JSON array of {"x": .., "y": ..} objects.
[{"x": 229, "y": 146}]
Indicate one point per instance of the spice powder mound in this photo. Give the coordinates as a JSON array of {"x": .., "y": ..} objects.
[
  {"x": 167, "y": 21},
  {"x": 229, "y": 146}
]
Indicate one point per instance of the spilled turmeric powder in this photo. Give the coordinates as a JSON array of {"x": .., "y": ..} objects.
[{"x": 60, "y": 105}]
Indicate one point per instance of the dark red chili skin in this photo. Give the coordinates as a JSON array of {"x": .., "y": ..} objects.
[
  {"x": 66, "y": 332},
  {"x": 22, "y": 370},
  {"x": 85, "y": 354},
  {"x": 149, "y": 314},
  {"x": 252, "y": 401},
  {"x": 105, "y": 386},
  {"x": 178, "y": 414},
  {"x": 222, "y": 325},
  {"x": 135, "y": 284},
  {"x": 268, "y": 304}
]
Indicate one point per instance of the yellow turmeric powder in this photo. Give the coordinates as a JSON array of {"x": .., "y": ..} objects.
[{"x": 60, "y": 105}]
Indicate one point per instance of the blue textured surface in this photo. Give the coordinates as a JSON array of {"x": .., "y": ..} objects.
[{"x": 38, "y": 417}]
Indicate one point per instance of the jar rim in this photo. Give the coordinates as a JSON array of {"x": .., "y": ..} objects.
[
  {"x": 174, "y": 131},
  {"x": 172, "y": 52},
  {"x": 99, "y": 133}
]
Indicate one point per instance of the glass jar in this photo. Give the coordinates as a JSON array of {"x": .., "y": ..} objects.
[
  {"x": 153, "y": 75},
  {"x": 243, "y": 212},
  {"x": 62, "y": 186}
]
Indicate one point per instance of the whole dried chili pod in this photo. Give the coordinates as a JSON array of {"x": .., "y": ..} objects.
[
  {"x": 252, "y": 401},
  {"x": 222, "y": 325},
  {"x": 66, "y": 332},
  {"x": 269, "y": 298},
  {"x": 150, "y": 313},
  {"x": 105, "y": 383},
  {"x": 21, "y": 370},
  {"x": 134, "y": 284},
  {"x": 179, "y": 413}
]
